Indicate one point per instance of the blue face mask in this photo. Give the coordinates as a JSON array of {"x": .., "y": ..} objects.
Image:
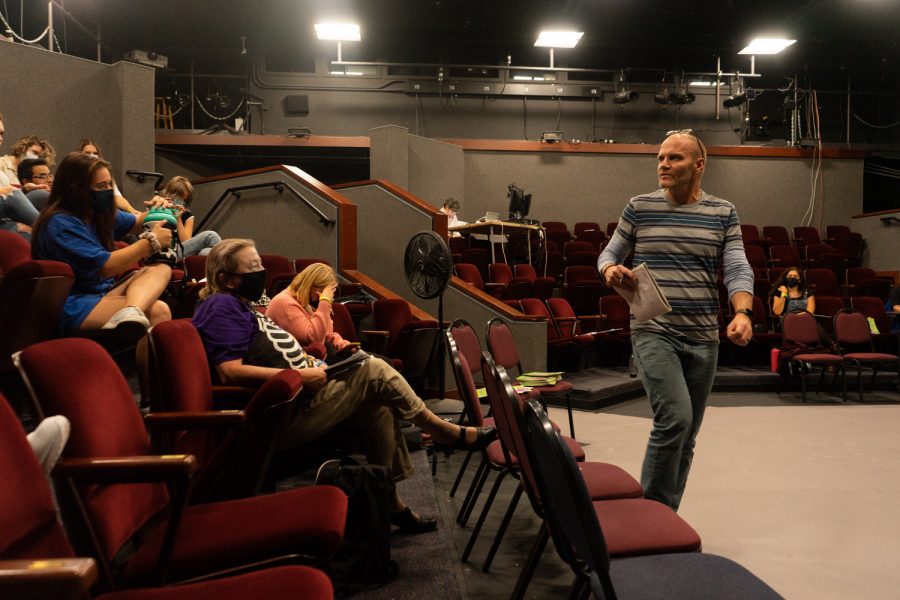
[{"x": 102, "y": 201}]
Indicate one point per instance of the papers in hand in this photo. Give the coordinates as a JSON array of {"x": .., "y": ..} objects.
[{"x": 646, "y": 300}]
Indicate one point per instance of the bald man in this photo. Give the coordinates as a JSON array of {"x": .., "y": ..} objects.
[{"x": 685, "y": 236}]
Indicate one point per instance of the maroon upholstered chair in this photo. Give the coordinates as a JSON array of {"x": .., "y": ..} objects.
[
  {"x": 141, "y": 531},
  {"x": 542, "y": 287},
  {"x": 514, "y": 288},
  {"x": 806, "y": 236},
  {"x": 784, "y": 256},
  {"x": 14, "y": 250},
  {"x": 800, "y": 328},
  {"x": 195, "y": 267},
  {"x": 30, "y": 532},
  {"x": 582, "y": 226},
  {"x": 576, "y": 246},
  {"x": 581, "y": 529},
  {"x": 833, "y": 232},
  {"x": 408, "y": 340},
  {"x": 878, "y": 288},
  {"x": 851, "y": 247},
  {"x": 502, "y": 346},
  {"x": 777, "y": 235},
  {"x": 885, "y": 340},
  {"x": 756, "y": 256},
  {"x": 638, "y": 526},
  {"x": 465, "y": 343},
  {"x": 823, "y": 282},
  {"x": 472, "y": 275},
  {"x": 606, "y": 481},
  {"x": 32, "y": 295},
  {"x": 616, "y": 314},
  {"x": 277, "y": 268},
  {"x": 233, "y": 447},
  {"x": 826, "y": 308},
  {"x": 852, "y": 333},
  {"x": 611, "y": 228},
  {"x": 563, "y": 351},
  {"x": 480, "y": 257}
]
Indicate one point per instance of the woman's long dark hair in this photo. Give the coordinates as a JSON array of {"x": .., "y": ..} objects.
[
  {"x": 782, "y": 280},
  {"x": 71, "y": 194}
]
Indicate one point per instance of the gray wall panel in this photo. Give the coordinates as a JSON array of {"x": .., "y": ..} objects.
[
  {"x": 76, "y": 98},
  {"x": 389, "y": 155},
  {"x": 435, "y": 170},
  {"x": 882, "y": 251},
  {"x": 278, "y": 223}
]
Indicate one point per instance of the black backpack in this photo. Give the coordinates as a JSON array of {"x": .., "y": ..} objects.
[{"x": 367, "y": 536}]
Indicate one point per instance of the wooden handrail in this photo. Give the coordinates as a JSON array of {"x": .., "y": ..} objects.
[{"x": 438, "y": 218}]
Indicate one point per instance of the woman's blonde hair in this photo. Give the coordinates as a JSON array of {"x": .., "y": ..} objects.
[
  {"x": 315, "y": 275},
  {"x": 222, "y": 260}
]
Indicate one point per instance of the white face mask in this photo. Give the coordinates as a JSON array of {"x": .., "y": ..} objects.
[{"x": 31, "y": 154}]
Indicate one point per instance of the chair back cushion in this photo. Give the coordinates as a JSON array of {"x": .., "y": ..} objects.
[
  {"x": 14, "y": 250},
  {"x": 502, "y": 344},
  {"x": 28, "y": 525},
  {"x": 467, "y": 343},
  {"x": 465, "y": 384},
  {"x": 32, "y": 295},
  {"x": 851, "y": 328},
  {"x": 75, "y": 377},
  {"x": 800, "y": 327}
]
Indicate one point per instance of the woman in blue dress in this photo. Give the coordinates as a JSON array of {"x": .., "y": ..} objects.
[{"x": 79, "y": 226}]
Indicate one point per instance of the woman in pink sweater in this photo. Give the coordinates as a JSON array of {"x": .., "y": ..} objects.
[{"x": 292, "y": 308}]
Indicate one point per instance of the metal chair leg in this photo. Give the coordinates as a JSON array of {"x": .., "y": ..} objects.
[
  {"x": 471, "y": 506},
  {"x": 571, "y": 418},
  {"x": 540, "y": 542},
  {"x": 501, "y": 531},
  {"x": 484, "y": 513},
  {"x": 470, "y": 495},
  {"x": 462, "y": 470}
]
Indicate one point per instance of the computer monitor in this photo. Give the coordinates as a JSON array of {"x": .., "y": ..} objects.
[{"x": 519, "y": 203}]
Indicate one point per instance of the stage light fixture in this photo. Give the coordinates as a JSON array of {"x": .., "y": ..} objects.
[
  {"x": 766, "y": 46},
  {"x": 625, "y": 96},
  {"x": 662, "y": 98},
  {"x": 338, "y": 32},
  {"x": 735, "y": 100},
  {"x": 682, "y": 96},
  {"x": 558, "y": 39}
]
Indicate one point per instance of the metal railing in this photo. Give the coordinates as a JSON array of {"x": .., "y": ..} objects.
[{"x": 278, "y": 186}]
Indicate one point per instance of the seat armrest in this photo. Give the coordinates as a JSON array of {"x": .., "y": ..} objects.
[
  {"x": 126, "y": 469},
  {"x": 61, "y": 578},
  {"x": 214, "y": 419}
]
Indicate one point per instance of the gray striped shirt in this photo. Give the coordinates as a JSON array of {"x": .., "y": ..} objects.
[{"x": 684, "y": 245}]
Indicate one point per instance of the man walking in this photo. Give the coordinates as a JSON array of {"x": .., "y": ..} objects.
[{"x": 685, "y": 236}]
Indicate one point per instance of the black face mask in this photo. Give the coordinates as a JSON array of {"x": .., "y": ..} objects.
[
  {"x": 792, "y": 282},
  {"x": 102, "y": 201},
  {"x": 252, "y": 285}
]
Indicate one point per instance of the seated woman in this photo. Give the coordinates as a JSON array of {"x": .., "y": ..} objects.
[
  {"x": 91, "y": 148},
  {"x": 78, "y": 227},
  {"x": 789, "y": 293},
  {"x": 292, "y": 308},
  {"x": 180, "y": 193},
  {"x": 246, "y": 348}
]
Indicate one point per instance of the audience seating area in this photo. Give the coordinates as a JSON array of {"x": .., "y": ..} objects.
[{"x": 181, "y": 492}]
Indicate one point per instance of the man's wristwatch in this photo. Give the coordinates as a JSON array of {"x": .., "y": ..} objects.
[{"x": 745, "y": 311}]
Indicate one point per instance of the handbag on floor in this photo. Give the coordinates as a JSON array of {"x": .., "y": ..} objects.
[{"x": 367, "y": 536}]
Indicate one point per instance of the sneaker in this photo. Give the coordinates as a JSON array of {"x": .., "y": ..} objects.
[
  {"x": 129, "y": 314},
  {"x": 49, "y": 439}
]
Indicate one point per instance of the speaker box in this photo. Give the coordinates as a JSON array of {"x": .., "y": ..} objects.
[{"x": 297, "y": 105}]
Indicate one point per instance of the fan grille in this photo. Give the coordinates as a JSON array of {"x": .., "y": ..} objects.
[{"x": 428, "y": 264}]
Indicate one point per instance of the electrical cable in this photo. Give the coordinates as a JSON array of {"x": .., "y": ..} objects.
[
  {"x": 558, "y": 111},
  {"x": 214, "y": 117},
  {"x": 867, "y": 124},
  {"x": 525, "y": 117}
]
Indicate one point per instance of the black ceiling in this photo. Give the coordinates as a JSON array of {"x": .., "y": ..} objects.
[{"x": 835, "y": 37}]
